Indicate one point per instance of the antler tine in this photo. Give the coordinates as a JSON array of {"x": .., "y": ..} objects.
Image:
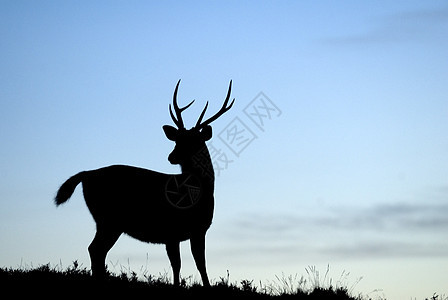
[
  {"x": 223, "y": 109},
  {"x": 198, "y": 123},
  {"x": 178, "y": 121}
]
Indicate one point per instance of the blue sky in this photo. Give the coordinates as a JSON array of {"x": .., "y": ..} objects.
[{"x": 351, "y": 171}]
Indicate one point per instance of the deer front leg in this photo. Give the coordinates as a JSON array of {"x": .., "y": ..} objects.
[
  {"x": 197, "y": 243},
  {"x": 172, "y": 249}
]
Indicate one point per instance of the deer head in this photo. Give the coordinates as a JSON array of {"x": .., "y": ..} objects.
[{"x": 191, "y": 141}]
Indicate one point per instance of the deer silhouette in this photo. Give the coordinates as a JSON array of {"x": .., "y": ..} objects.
[{"x": 154, "y": 207}]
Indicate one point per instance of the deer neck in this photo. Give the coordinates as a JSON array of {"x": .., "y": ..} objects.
[{"x": 201, "y": 166}]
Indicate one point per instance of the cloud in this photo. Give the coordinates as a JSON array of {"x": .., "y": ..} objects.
[
  {"x": 382, "y": 230},
  {"x": 397, "y": 216},
  {"x": 385, "y": 249},
  {"x": 380, "y": 217},
  {"x": 412, "y": 26}
]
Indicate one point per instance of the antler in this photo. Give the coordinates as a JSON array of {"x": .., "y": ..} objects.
[
  {"x": 179, "y": 122},
  {"x": 224, "y": 108}
]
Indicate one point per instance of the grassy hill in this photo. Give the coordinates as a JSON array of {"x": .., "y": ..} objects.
[{"x": 49, "y": 282}]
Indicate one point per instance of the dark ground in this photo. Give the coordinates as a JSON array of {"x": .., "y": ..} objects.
[{"x": 76, "y": 282}]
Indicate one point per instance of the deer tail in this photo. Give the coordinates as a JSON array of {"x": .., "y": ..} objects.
[{"x": 67, "y": 188}]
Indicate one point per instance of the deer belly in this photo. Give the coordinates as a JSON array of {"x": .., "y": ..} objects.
[{"x": 160, "y": 233}]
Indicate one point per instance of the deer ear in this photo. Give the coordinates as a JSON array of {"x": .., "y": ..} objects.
[
  {"x": 206, "y": 133},
  {"x": 170, "y": 132}
]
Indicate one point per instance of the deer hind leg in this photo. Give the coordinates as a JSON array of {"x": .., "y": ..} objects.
[
  {"x": 172, "y": 249},
  {"x": 197, "y": 243},
  {"x": 101, "y": 244}
]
